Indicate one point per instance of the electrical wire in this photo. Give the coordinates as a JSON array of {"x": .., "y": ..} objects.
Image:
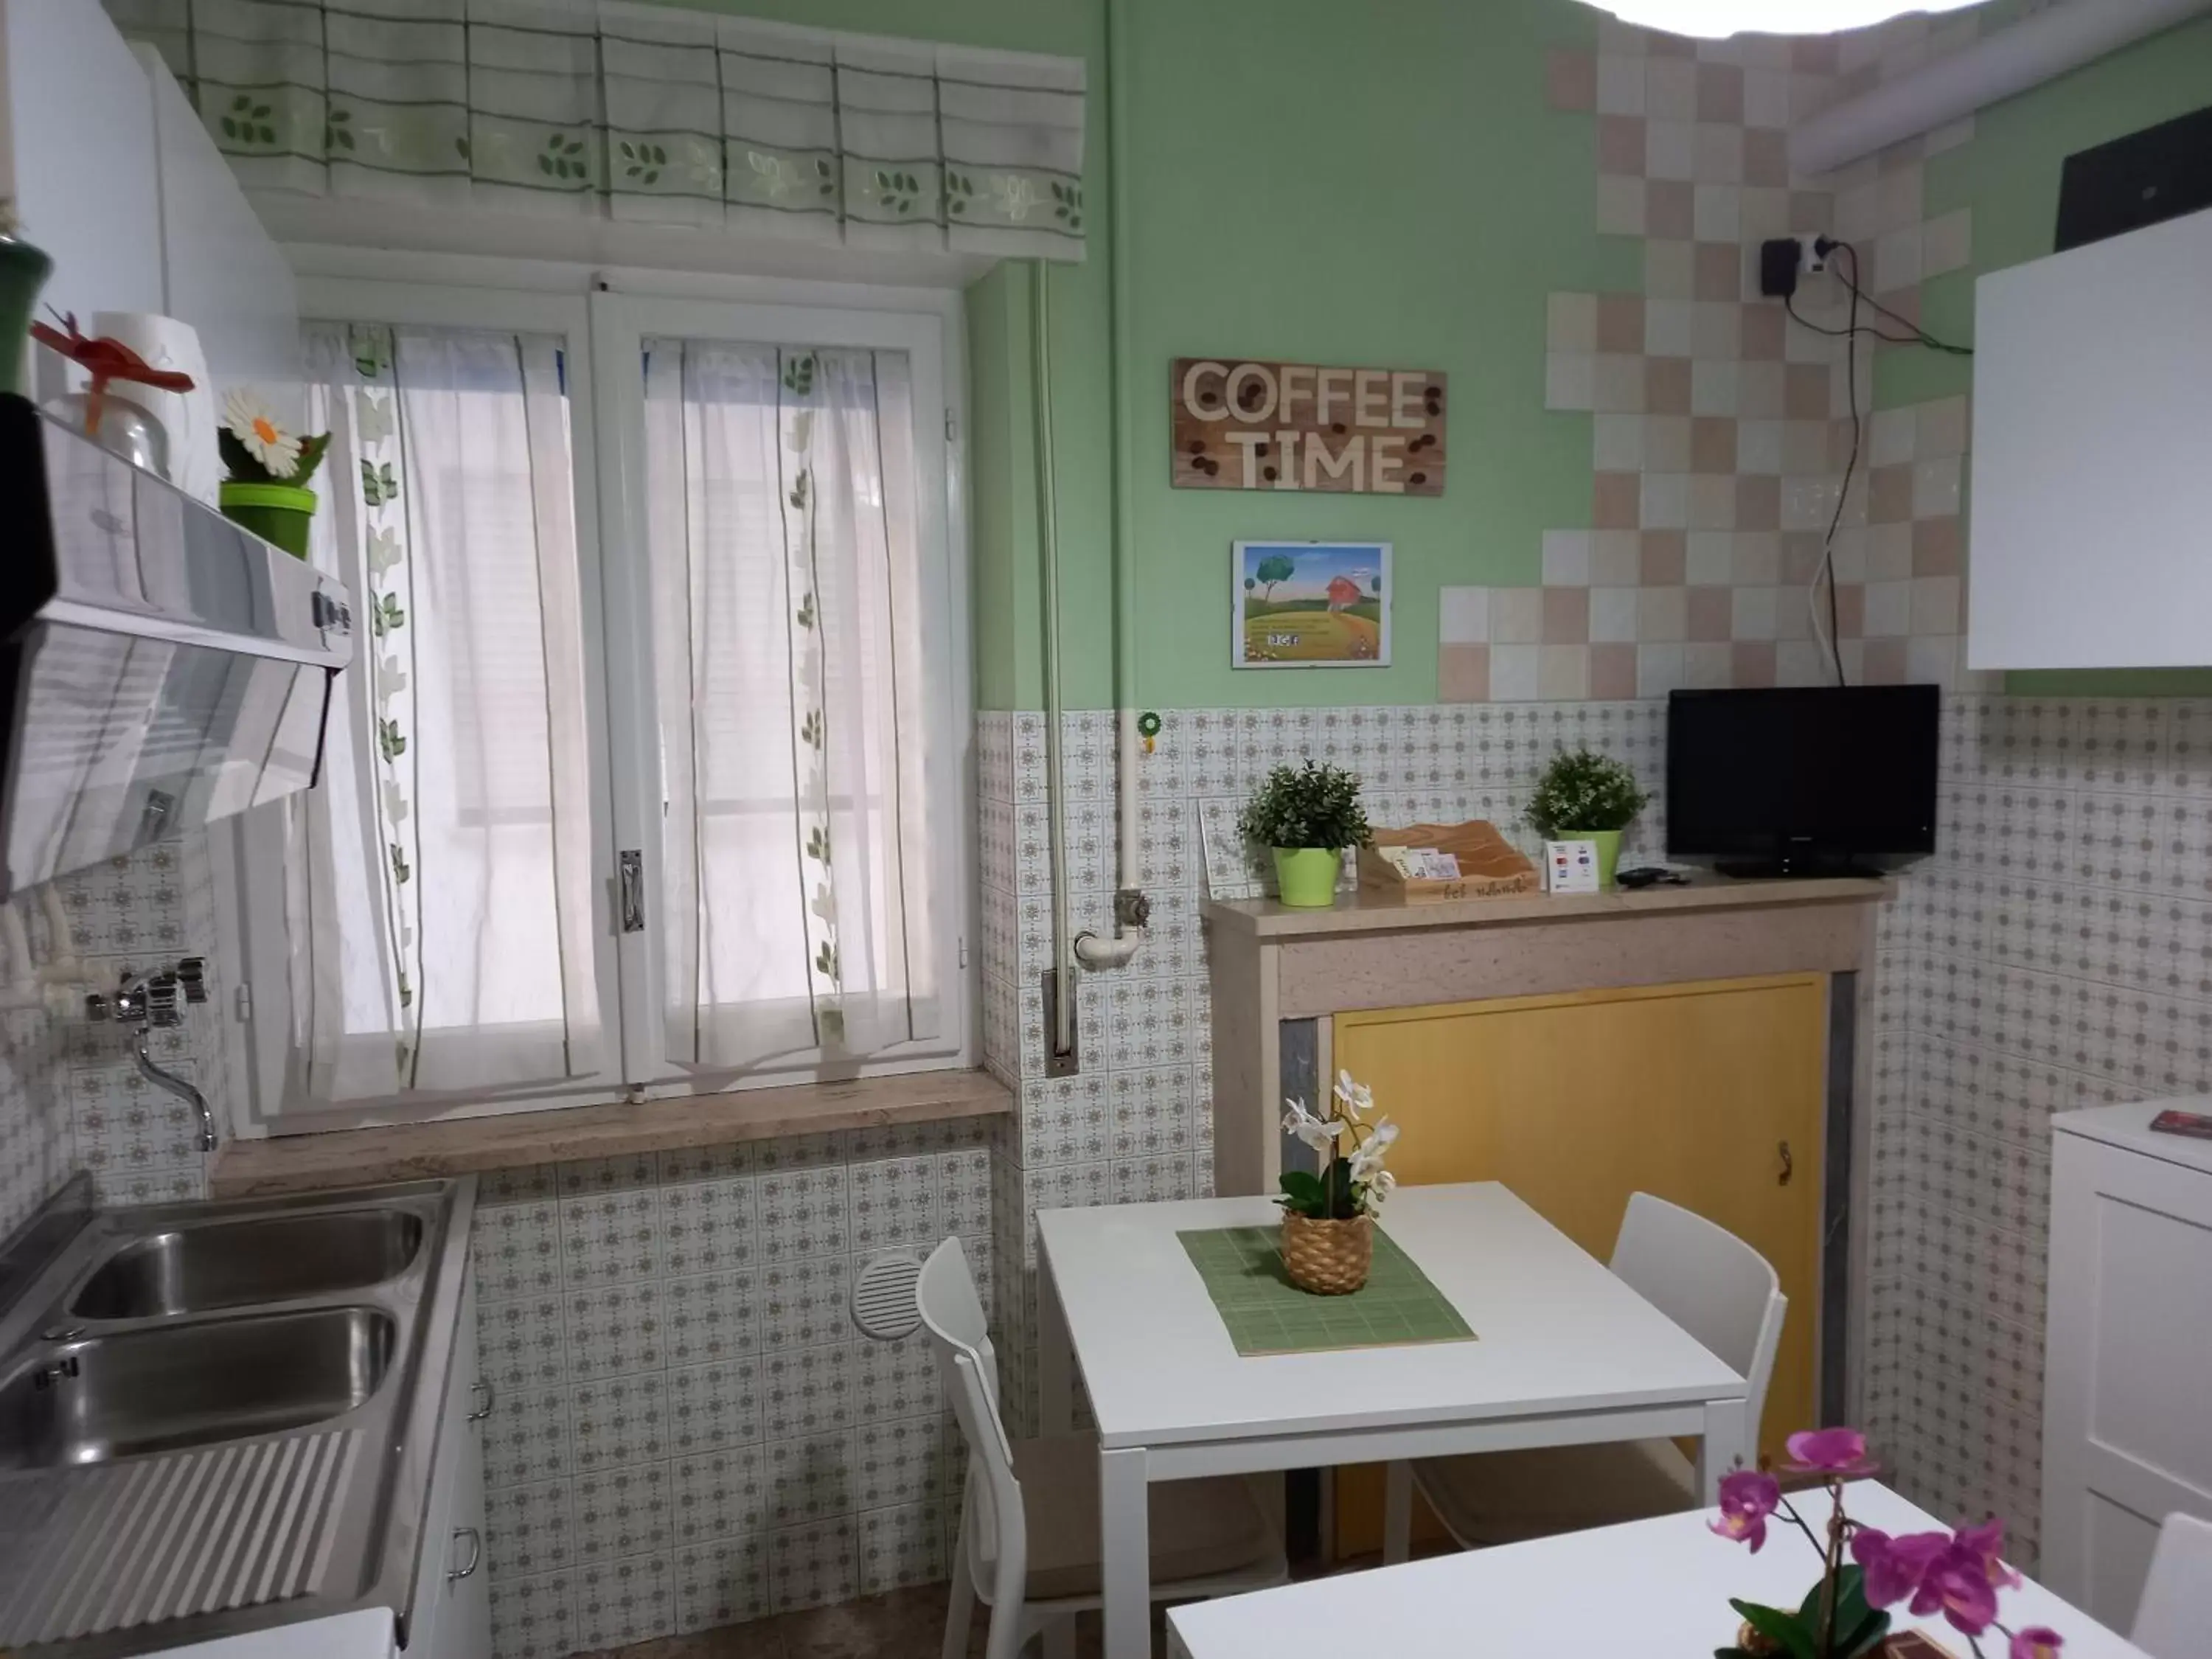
[
  {"x": 1832, "y": 636},
  {"x": 1843, "y": 494},
  {"x": 1920, "y": 336}
]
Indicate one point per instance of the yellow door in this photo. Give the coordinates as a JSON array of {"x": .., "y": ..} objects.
[{"x": 1690, "y": 1093}]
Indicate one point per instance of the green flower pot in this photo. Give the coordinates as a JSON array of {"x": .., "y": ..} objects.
[
  {"x": 278, "y": 514},
  {"x": 1608, "y": 842},
  {"x": 1307, "y": 876}
]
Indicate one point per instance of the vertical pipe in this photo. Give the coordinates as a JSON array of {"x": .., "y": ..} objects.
[
  {"x": 1121, "y": 434},
  {"x": 1061, "y": 1038}
]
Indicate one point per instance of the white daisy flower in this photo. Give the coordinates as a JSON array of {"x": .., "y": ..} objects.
[{"x": 251, "y": 424}]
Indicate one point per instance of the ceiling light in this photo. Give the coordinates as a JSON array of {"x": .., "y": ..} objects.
[{"x": 1717, "y": 18}]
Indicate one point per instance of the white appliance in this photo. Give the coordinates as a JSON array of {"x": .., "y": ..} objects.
[
  {"x": 2127, "y": 1390},
  {"x": 2093, "y": 417}
]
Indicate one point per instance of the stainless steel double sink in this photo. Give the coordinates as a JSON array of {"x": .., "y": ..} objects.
[
  {"x": 185, "y": 1380},
  {"x": 301, "y": 1333}
]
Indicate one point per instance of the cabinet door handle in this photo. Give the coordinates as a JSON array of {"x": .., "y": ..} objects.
[
  {"x": 475, "y": 1553},
  {"x": 483, "y": 1391},
  {"x": 1788, "y": 1166}
]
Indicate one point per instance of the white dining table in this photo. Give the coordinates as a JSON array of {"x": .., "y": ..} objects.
[
  {"x": 1658, "y": 1589},
  {"x": 1564, "y": 1353}
]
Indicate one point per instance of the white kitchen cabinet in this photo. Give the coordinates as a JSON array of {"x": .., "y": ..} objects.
[
  {"x": 116, "y": 179},
  {"x": 221, "y": 272},
  {"x": 451, "y": 1617},
  {"x": 80, "y": 145},
  {"x": 2092, "y": 407},
  {"x": 2127, "y": 1420}
]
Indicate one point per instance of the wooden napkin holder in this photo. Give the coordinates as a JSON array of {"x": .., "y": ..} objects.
[{"x": 1489, "y": 866}]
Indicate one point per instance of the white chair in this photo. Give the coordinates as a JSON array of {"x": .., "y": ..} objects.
[
  {"x": 1705, "y": 1279},
  {"x": 1028, "y": 1545},
  {"x": 2174, "y": 1620}
]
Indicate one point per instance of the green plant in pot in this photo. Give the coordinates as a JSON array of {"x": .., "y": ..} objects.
[
  {"x": 269, "y": 467},
  {"x": 1306, "y": 816},
  {"x": 1586, "y": 797}
]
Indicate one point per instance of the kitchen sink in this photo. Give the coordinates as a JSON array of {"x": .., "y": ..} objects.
[
  {"x": 92, "y": 1399},
  {"x": 251, "y": 1261}
]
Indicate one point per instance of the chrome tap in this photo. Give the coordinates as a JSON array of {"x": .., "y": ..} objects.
[{"x": 151, "y": 1001}]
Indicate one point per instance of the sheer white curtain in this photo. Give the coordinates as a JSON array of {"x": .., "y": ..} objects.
[
  {"x": 783, "y": 546},
  {"x": 438, "y": 882}
]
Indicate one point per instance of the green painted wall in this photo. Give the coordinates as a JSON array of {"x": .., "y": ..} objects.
[
  {"x": 1313, "y": 181},
  {"x": 1359, "y": 184},
  {"x": 1373, "y": 184}
]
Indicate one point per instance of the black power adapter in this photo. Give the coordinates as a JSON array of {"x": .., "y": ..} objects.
[{"x": 1783, "y": 260}]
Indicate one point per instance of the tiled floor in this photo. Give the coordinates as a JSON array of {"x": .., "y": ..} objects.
[{"x": 907, "y": 1624}]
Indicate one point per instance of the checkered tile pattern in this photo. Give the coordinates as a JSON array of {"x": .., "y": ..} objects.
[{"x": 1719, "y": 428}]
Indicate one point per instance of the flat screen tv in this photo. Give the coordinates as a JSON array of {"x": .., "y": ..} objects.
[{"x": 1811, "y": 780}]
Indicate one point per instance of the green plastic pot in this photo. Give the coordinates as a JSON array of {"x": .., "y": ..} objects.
[
  {"x": 1608, "y": 842},
  {"x": 278, "y": 514},
  {"x": 1307, "y": 876}
]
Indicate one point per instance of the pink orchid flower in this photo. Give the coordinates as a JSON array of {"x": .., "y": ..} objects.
[
  {"x": 2036, "y": 1642},
  {"x": 1957, "y": 1584},
  {"x": 1987, "y": 1540},
  {"x": 1747, "y": 1497},
  {"x": 1895, "y": 1566},
  {"x": 1835, "y": 1452}
]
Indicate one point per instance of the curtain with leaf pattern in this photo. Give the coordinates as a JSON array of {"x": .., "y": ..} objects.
[
  {"x": 438, "y": 882},
  {"x": 781, "y": 524},
  {"x": 647, "y": 113}
]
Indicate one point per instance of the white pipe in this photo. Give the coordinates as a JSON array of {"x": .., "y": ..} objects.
[
  {"x": 1061, "y": 1038},
  {"x": 2038, "y": 49},
  {"x": 1091, "y": 951}
]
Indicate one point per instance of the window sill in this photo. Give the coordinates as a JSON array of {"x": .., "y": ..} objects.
[{"x": 417, "y": 1152}]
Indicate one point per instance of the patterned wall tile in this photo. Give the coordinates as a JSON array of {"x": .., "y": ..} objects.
[
  {"x": 688, "y": 1429},
  {"x": 71, "y": 1094}
]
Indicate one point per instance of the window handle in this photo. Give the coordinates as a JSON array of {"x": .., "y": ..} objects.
[{"x": 631, "y": 883}]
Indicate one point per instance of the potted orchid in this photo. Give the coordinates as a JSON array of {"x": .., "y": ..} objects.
[
  {"x": 1329, "y": 1214},
  {"x": 1845, "y": 1613}
]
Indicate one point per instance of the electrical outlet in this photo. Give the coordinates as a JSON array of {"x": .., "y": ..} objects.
[{"x": 1784, "y": 261}]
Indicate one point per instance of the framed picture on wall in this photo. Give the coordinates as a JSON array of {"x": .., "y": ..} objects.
[{"x": 1310, "y": 604}]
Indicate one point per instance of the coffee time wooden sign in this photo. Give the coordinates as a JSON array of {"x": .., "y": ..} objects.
[{"x": 1244, "y": 425}]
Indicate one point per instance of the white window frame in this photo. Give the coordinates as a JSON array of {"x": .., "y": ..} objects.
[
  {"x": 621, "y": 321},
  {"x": 600, "y": 318}
]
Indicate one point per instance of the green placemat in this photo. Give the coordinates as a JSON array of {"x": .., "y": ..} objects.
[{"x": 1242, "y": 1268}]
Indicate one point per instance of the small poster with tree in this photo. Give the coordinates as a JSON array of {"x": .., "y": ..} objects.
[{"x": 1311, "y": 605}]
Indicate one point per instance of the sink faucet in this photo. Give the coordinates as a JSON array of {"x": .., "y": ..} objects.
[{"x": 150, "y": 1001}]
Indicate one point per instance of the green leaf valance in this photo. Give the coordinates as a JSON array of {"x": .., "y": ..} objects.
[{"x": 638, "y": 112}]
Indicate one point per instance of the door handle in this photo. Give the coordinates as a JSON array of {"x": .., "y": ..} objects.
[
  {"x": 1788, "y": 1166},
  {"x": 630, "y": 880},
  {"x": 483, "y": 1391},
  {"x": 475, "y": 1553}
]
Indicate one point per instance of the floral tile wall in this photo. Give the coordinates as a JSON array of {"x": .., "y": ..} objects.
[
  {"x": 689, "y": 1429},
  {"x": 71, "y": 1094},
  {"x": 2056, "y": 951},
  {"x": 1137, "y": 1122}
]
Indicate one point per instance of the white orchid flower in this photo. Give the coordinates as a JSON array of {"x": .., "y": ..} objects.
[
  {"x": 1356, "y": 1099},
  {"x": 1318, "y": 1133},
  {"x": 1377, "y": 1186},
  {"x": 1367, "y": 1160}
]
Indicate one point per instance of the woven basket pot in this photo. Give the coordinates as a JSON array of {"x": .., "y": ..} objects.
[{"x": 1328, "y": 1258}]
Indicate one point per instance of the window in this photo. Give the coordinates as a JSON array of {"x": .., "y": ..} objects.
[{"x": 757, "y": 695}]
